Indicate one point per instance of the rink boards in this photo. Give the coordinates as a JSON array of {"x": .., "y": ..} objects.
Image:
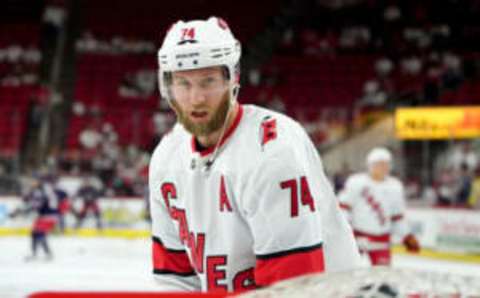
[{"x": 450, "y": 234}]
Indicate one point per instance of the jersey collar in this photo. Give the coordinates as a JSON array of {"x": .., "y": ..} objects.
[{"x": 227, "y": 134}]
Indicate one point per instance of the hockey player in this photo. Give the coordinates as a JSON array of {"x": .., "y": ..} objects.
[
  {"x": 374, "y": 203},
  {"x": 89, "y": 195},
  {"x": 44, "y": 200},
  {"x": 238, "y": 195}
]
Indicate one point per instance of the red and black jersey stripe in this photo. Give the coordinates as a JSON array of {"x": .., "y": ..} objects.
[
  {"x": 278, "y": 266},
  {"x": 170, "y": 261}
]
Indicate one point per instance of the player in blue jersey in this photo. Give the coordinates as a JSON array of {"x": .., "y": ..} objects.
[{"x": 44, "y": 200}]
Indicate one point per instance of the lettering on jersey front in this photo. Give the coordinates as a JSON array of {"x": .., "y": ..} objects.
[
  {"x": 244, "y": 280},
  {"x": 197, "y": 250},
  {"x": 194, "y": 242},
  {"x": 268, "y": 130},
  {"x": 215, "y": 264},
  {"x": 168, "y": 192},
  {"x": 215, "y": 274},
  {"x": 224, "y": 201},
  {"x": 306, "y": 198},
  {"x": 376, "y": 207}
]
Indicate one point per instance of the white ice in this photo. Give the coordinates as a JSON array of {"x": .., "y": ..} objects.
[{"x": 106, "y": 264}]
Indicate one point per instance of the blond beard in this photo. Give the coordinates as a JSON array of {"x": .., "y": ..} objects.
[{"x": 204, "y": 129}]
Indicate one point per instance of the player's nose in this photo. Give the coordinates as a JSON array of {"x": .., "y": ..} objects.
[{"x": 197, "y": 97}]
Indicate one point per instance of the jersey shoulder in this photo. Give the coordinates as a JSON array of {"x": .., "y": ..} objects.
[
  {"x": 273, "y": 133},
  {"x": 357, "y": 179},
  {"x": 395, "y": 183},
  {"x": 168, "y": 145}
]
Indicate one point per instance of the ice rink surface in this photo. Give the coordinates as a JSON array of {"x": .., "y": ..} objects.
[{"x": 106, "y": 264}]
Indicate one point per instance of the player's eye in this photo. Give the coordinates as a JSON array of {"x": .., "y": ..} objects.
[
  {"x": 208, "y": 82},
  {"x": 211, "y": 83},
  {"x": 181, "y": 84}
]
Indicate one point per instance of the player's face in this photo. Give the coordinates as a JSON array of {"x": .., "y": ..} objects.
[
  {"x": 201, "y": 99},
  {"x": 380, "y": 169}
]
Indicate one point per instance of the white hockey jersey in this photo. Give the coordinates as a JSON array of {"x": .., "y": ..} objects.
[
  {"x": 263, "y": 211},
  {"x": 375, "y": 209}
]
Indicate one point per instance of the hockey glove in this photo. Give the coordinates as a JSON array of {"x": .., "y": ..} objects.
[{"x": 411, "y": 243}]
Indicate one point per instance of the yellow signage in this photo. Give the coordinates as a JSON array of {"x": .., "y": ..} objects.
[{"x": 437, "y": 123}]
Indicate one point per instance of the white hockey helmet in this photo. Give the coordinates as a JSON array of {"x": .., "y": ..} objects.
[
  {"x": 199, "y": 44},
  {"x": 379, "y": 154}
]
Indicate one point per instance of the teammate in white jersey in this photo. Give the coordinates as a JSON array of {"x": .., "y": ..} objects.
[
  {"x": 374, "y": 203},
  {"x": 238, "y": 195}
]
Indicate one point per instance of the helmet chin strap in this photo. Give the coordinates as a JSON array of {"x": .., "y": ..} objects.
[{"x": 233, "y": 93}]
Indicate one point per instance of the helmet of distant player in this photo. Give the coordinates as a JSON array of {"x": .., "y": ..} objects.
[
  {"x": 379, "y": 162},
  {"x": 199, "y": 44}
]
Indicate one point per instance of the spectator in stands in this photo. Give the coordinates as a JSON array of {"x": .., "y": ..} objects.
[
  {"x": 109, "y": 134},
  {"x": 474, "y": 199},
  {"x": 117, "y": 45},
  {"x": 146, "y": 46},
  {"x": 431, "y": 88},
  {"x": 453, "y": 75},
  {"x": 14, "y": 78},
  {"x": 373, "y": 96},
  {"x": 440, "y": 35},
  {"x": 19, "y": 76},
  {"x": 104, "y": 165},
  {"x": 429, "y": 196},
  {"x": 162, "y": 121},
  {"x": 328, "y": 43},
  {"x": 311, "y": 43},
  {"x": 411, "y": 65},
  {"x": 87, "y": 43},
  {"x": 123, "y": 181},
  {"x": 464, "y": 187},
  {"x": 288, "y": 44},
  {"x": 446, "y": 188},
  {"x": 14, "y": 53},
  {"x": 463, "y": 154},
  {"x": 53, "y": 20},
  {"x": 128, "y": 87},
  {"x": 146, "y": 80},
  {"x": 384, "y": 67},
  {"x": 254, "y": 77},
  {"x": 78, "y": 109},
  {"x": 276, "y": 104},
  {"x": 416, "y": 38},
  {"x": 32, "y": 55},
  {"x": 392, "y": 13},
  {"x": 90, "y": 138},
  {"x": 355, "y": 37},
  {"x": 54, "y": 15}
]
